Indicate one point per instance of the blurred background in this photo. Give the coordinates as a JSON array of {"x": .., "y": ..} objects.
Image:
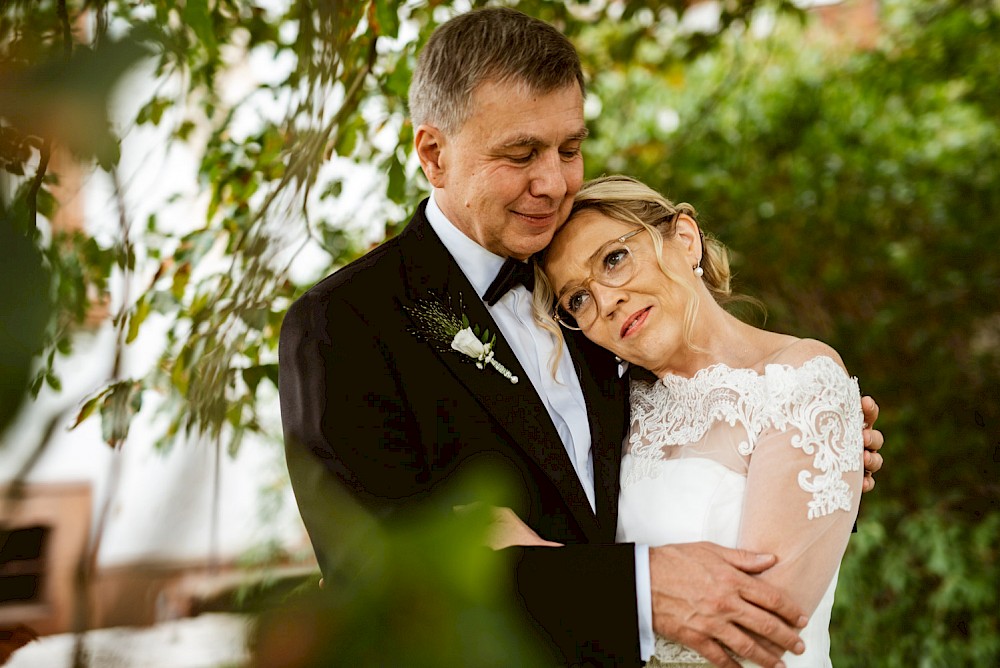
[{"x": 174, "y": 174}]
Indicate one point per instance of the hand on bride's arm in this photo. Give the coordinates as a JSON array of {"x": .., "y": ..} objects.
[
  {"x": 705, "y": 597},
  {"x": 873, "y": 441},
  {"x": 507, "y": 530}
]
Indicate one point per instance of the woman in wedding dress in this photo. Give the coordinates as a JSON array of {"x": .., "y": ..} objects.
[{"x": 742, "y": 437}]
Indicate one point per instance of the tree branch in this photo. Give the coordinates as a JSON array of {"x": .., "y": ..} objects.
[
  {"x": 45, "y": 152},
  {"x": 67, "y": 31}
]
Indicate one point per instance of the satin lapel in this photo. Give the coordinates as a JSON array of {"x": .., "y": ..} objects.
[
  {"x": 607, "y": 411},
  {"x": 432, "y": 273}
]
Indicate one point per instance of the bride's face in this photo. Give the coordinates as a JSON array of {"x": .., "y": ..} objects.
[{"x": 615, "y": 289}]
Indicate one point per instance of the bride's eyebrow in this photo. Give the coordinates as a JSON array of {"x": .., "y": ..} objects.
[{"x": 590, "y": 259}]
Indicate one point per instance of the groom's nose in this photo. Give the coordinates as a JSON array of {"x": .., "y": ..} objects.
[{"x": 548, "y": 176}]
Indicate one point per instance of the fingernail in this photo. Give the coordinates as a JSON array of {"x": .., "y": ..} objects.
[
  {"x": 800, "y": 647},
  {"x": 803, "y": 620},
  {"x": 779, "y": 665}
]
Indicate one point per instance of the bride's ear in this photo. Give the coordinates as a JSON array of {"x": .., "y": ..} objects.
[{"x": 688, "y": 235}]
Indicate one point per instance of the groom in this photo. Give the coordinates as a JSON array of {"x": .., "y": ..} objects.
[{"x": 375, "y": 400}]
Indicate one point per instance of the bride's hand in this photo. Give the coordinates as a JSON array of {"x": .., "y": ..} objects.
[{"x": 507, "y": 529}]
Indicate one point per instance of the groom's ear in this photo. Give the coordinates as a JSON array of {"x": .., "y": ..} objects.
[{"x": 429, "y": 142}]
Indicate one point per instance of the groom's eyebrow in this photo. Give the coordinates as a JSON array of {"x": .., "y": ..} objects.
[{"x": 522, "y": 141}]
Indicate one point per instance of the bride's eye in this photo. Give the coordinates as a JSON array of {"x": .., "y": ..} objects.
[
  {"x": 615, "y": 259},
  {"x": 576, "y": 301}
]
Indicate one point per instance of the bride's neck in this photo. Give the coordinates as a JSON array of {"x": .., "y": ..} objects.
[{"x": 717, "y": 337}]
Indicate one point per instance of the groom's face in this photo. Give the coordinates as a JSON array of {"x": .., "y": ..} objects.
[{"x": 507, "y": 178}]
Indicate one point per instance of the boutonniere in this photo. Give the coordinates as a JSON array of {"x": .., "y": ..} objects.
[{"x": 442, "y": 327}]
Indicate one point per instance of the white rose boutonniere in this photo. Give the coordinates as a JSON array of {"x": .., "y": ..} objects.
[
  {"x": 467, "y": 342},
  {"x": 437, "y": 324}
]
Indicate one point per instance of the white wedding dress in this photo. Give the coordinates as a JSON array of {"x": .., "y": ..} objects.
[{"x": 769, "y": 462}]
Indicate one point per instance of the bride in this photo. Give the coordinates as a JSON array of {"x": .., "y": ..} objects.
[{"x": 742, "y": 437}]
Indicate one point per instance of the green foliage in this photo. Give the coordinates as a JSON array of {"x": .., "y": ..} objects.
[{"x": 419, "y": 591}]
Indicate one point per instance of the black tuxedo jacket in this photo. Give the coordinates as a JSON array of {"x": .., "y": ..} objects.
[{"x": 367, "y": 404}]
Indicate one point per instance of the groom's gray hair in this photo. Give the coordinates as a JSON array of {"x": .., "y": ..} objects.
[{"x": 496, "y": 45}]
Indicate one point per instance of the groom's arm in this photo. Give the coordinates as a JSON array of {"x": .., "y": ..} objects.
[
  {"x": 582, "y": 599},
  {"x": 348, "y": 425}
]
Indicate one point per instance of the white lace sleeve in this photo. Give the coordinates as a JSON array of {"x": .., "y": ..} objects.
[{"x": 805, "y": 474}]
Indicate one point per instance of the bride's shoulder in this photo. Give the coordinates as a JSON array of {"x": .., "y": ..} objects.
[{"x": 798, "y": 352}]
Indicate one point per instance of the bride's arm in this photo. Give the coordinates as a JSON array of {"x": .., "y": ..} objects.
[{"x": 803, "y": 488}]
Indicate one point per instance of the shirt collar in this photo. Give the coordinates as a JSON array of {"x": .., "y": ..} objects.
[{"x": 479, "y": 265}]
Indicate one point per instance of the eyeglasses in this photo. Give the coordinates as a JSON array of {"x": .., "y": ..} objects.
[{"x": 613, "y": 265}]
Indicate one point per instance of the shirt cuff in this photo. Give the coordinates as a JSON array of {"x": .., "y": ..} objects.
[{"x": 644, "y": 602}]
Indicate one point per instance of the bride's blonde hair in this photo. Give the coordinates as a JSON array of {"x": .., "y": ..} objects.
[{"x": 629, "y": 201}]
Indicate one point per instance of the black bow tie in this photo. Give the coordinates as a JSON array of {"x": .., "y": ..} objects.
[{"x": 512, "y": 273}]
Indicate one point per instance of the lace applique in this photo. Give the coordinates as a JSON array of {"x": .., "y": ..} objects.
[
  {"x": 817, "y": 400},
  {"x": 668, "y": 653}
]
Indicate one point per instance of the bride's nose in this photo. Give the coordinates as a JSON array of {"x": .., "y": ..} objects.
[{"x": 607, "y": 299}]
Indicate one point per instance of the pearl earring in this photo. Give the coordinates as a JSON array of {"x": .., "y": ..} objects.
[{"x": 698, "y": 271}]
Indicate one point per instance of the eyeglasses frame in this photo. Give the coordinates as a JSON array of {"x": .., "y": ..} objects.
[{"x": 621, "y": 240}]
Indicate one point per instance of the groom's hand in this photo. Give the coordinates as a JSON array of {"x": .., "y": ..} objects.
[
  {"x": 873, "y": 443},
  {"x": 705, "y": 597}
]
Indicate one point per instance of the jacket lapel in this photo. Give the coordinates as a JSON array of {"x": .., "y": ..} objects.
[
  {"x": 431, "y": 273},
  {"x": 607, "y": 410}
]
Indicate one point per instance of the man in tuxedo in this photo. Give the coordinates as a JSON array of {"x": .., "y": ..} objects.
[{"x": 374, "y": 399}]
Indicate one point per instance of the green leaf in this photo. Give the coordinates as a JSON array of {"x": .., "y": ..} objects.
[
  {"x": 387, "y": 18},
  {"x": 46, "y": 203},
  {"x": 235, "y": 442},
  {"x": 397, "y": 182},
  {"x": 139, "y": 316},
  {"x": 182, "y": 276},
  {"x": 64, "y": 345},
  {"x": 254, "y": 374},
  {"x": 398, "y": 81},
  {"x": 179, "y": 374},
  {"x": 197, "y": 17},
  {"x": 152, "y": 111},
  {"x": 347, "y": 140},
  {"x": 36, "y": 384},
  {"x": 255, "y": 319},
  {"x": 333, "y": 190},
  {"x": 53, "y": 381},
  {"x": 87, "y": 409},
  {"x": 117, "y": 410}
]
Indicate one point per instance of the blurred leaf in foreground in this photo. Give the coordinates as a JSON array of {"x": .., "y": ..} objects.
[
  {"x": 25, "y": 306},
  {"x": 426, "y": 592}
]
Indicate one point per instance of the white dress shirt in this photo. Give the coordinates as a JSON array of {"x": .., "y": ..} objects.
[{"x": 562, "y": 396}]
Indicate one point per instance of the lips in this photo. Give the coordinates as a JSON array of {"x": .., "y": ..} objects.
[
  {"x": 543, "y": 219},
  {"x": 634, "y": 322}
]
